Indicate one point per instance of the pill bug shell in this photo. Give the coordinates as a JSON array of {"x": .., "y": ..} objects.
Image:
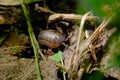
[{"x": 51, "y": 38}]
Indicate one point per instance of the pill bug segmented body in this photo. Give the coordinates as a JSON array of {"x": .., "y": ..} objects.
[{"x": 51, "y": 38}]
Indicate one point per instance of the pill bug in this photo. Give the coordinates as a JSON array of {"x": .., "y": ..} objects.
[{"x": 51, "y": 38}]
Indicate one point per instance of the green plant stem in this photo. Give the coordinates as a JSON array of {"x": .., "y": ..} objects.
[
  {"x": 32, "y": 38},
  {"x": 44, "y": 3}
]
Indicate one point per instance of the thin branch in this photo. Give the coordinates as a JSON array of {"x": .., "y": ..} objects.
[{"x": 80, "y": 34}]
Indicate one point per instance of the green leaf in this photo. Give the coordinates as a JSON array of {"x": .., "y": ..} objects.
[
  {"x": 98, "y": 7},
  {"x": 57, "y": 57},
  {"x": 15, "y": 49},
  {"x": 95, "y": 75},
  {"x": 114, "y": 49}
]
